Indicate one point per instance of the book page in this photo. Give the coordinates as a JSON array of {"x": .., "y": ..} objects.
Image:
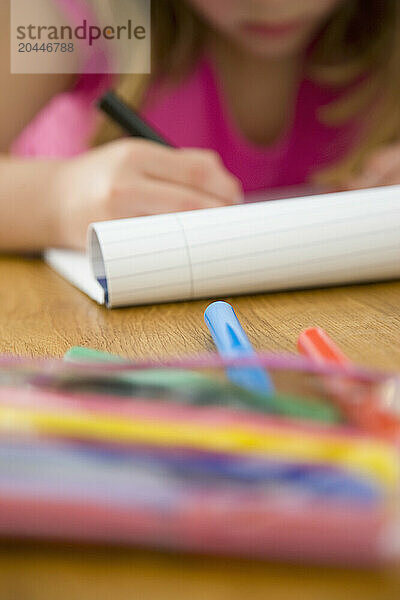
[{"x": 340, "y": 238}]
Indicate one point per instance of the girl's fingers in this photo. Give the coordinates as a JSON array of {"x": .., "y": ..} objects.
[
  {"x": 201, "y": 170},
  {"x": 149, "y": 196},
  {"x": 383, "y": 168}
]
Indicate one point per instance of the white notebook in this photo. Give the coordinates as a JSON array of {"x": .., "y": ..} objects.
[{"x": 321, "y": 240}]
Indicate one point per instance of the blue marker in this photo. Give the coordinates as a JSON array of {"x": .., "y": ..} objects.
[{"x": 232, "y": 342}]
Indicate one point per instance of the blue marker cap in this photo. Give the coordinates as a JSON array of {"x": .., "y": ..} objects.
[{"x": 232, "y": 342}]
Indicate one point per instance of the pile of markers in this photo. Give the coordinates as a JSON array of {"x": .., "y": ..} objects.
[{"x": 271, "y": 456}]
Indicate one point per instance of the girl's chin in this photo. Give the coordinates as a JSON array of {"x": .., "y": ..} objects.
[
  {"x": 275, "y": 42},
  {"x": 273, "y": 48}
]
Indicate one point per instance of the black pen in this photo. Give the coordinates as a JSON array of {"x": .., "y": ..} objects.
[{"x": 128, "y": 119}]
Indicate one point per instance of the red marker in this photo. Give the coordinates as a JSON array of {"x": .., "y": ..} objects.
[
  {"x": 362, "y": 407},
  {"x": 317, "y": 344}
]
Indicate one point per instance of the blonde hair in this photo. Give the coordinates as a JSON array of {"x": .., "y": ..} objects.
[{"x": 362, "y": 38}]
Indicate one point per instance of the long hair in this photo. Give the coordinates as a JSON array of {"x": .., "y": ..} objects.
[{"x": 361, "y": 41}]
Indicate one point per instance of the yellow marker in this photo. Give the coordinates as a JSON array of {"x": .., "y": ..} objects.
[{"x": 365, "y": 456}]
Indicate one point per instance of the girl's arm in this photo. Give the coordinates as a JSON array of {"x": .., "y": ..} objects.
[
  {"x": 50, "y": 203},
  {"x": 28, "y": 204},
  {"x": 27, "y": 207}
]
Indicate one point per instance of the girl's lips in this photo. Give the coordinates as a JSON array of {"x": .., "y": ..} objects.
[{"x": 272, "y": 29}]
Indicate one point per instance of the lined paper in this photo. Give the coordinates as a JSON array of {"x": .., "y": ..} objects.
[
  {"x": 76, "y": 268},
  {"x": 320, "y": 240}
]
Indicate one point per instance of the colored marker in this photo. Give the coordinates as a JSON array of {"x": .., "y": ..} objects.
[
  {"x": 189, "y": 387},
  {"x": 232, "y": 342},
  {"x": 96, "y": 420},
  {"x": 315, "y": 343},
  {"x": 371, "y": 409},
  {"x": 144, "y": 465}
]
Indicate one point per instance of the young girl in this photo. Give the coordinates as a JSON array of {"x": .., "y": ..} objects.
[{"x": 270, "y": 93}]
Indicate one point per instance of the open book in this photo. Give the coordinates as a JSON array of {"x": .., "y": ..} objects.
[{"x": 328, "y": 239}]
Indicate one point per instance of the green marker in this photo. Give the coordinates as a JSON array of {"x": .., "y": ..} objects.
[{"x": 190, "y": 387}]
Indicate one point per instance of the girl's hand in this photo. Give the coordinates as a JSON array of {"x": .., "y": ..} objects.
[
  {"x": 382, "y": 168},
  {"x": 131, "y": 178}
]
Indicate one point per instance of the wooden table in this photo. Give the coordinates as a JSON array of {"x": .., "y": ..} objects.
[{"x": 42, "y": 315}]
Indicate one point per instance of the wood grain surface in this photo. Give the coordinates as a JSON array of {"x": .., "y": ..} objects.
[{"x": 41, "y": 314}]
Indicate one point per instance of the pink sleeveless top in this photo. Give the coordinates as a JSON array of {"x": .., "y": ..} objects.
[{"x": 194, "y": 113}]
